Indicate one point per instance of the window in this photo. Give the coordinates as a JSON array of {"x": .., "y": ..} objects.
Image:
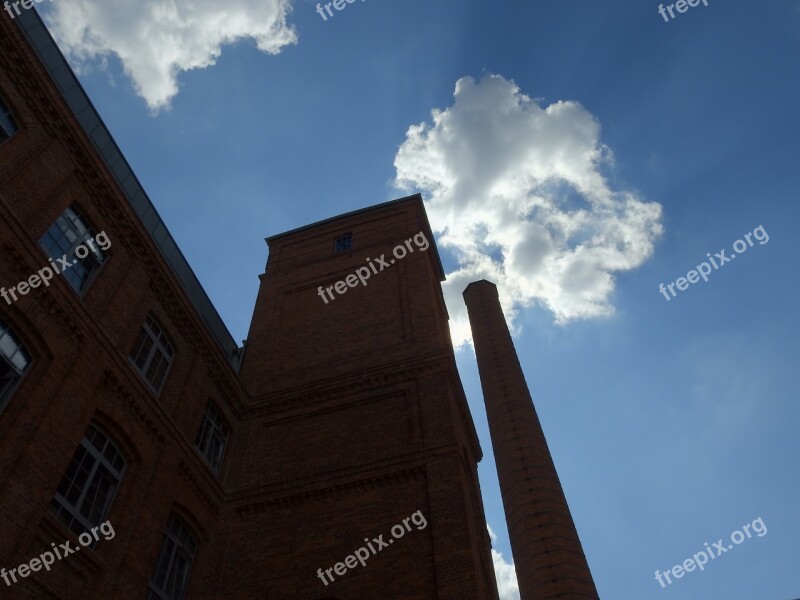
[
  {"x": 66, "y": 237},
  {"x": 152, "y": 353},
  {"x": 8, "y": 126},
  {"x": 14, "y": 360},
  {"x": 87, "y": 489},
  {"x": 174, "y": 562},
  {"x": 212, "y": 436},
  {"x": 344, "y": 242}
]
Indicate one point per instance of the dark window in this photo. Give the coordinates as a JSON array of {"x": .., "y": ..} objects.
[
  {"x": 87, "y": 489},
  {"x": 69, "y": 237},
  {"x": 14, "y": 360},
  {"x": 212, "y": 437},
  {"x": 344, "y": 242},
  {"x": 152, "y": 353},
  {"x": 174, "y": 562},
  {"x": 8, "y": 126}
]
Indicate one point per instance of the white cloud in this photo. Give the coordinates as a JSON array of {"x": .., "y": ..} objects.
[
  {"x": 155, "y": 40},
  {"x": 492, "y": 534},
  {"x": 504, "y": 572},
  {"x": 507, "y": 586},
  {"x": 517, "y": 193}
]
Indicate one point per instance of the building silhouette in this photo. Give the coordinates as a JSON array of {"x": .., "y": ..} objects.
[{"x": 216, "y": 471}]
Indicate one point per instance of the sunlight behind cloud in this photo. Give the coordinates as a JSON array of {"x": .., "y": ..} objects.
[{"x": 517, "y": 194}]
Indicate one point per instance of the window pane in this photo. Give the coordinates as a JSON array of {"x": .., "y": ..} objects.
[
  {"x": 204, "y": 436},
  {"x": 344, "y": 243},
  {"x": 87, "y": 488},
  {"x": 80, "y": 272},
  {"x": 94, "y": 437},
  {"x": 69, "y": 231},
  {"x": 55, "y": 243},
  {"x": 77, "y": 475},
  {"x": 174, "y": 563},
  {"x": 9, "y": 376},
  {"x": 219, "y": 447},
  {"x": 14, "y": 361},
  {"x": 20, "y": 360},
  {"x": 7, "y": 345},
  {"x": 152, "y": 353},
  {"x": 143, "y": 347},
  {"x": 164, "y": 561},
  {"x": 158, "y": 368},
  {"x": 179, "y": 576},
  {"x": 98, "y": 496},
  {"x": 212, "y": 437},
  {"x": 8, "y": 126}
]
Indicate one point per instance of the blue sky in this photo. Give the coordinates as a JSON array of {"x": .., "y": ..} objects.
[{"x": 580, "y": 155}]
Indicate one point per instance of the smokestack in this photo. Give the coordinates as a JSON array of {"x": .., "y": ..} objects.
[{"x": 548, "y": 556}]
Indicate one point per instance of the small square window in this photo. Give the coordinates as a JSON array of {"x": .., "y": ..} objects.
[
  {"x": 344, "y": 242},
  {"x": 8, "y": 126}
]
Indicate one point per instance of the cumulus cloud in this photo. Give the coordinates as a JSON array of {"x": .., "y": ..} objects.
[
  {"x": 504, "y": 573},
  {"x": 155, "y": 40},
  {"x": 518, "y": 193}
]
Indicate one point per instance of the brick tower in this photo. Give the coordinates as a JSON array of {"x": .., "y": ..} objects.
[
  {"x": 359, "y": 417},
  {"x": 548, "y": 556}
]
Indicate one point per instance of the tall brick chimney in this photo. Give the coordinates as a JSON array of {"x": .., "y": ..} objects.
[{"x": 548, "y": 556}]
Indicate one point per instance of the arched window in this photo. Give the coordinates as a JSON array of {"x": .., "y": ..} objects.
[
  {"x": 14, "y": 361},
  {"x": 174, "y": 562},
  {"x": 87, "y": 489}
]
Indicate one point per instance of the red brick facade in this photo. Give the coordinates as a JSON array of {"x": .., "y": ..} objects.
[{"x": 344, "y": 418}]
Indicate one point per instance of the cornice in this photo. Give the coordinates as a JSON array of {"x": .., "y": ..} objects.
[
  {"x": 358, "y": 486},
  {"x": 45, "y": 302},
  {"x": 190, "y": 477},
  {"x": 133, "y": 409},
  {"x": 352, "y": 383}
]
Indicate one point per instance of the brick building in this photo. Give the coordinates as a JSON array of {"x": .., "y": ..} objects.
[
  {"x": 219, "y": 472},
  {"x": 242, "y": 472}
]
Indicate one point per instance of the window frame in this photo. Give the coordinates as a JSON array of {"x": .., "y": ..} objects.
[
  {"x": 7, "y": 115},
  {"x": 172, "y": 545},
  {"x": 213, "y": 428},
  {"x": 82, "y": 230},
  {"x": 7, "y": 390},
  {"x": 100, "y": 460},
  {"x": 346, "y": 242},
  {"x": 154, "y": 334}
]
